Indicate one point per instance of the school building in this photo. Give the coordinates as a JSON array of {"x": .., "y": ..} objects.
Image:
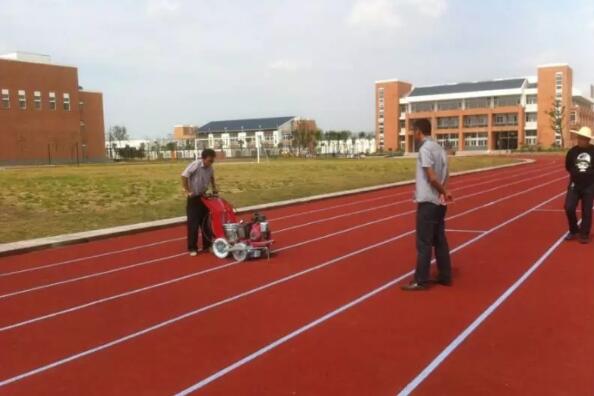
[
  {"x": 500, "y": 114},
  {"x": 45, "y": 115}
]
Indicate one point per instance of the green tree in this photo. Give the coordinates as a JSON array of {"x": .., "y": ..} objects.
[
  {"x": 119, "y": 133},
  {"x": 305, "y": 138},
  {"x": 557, "y": 120},
  {"x": 171, "y": 146}
]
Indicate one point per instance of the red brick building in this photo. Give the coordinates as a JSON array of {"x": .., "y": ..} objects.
[
  {"x": 483, "y": 115},
  {"x": 45, "y": 116}
]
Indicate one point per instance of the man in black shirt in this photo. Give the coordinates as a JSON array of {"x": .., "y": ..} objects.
[{"x": 579, "y": 162}]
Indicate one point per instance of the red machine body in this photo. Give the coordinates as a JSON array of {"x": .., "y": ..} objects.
[
  {"x": 221, "y": 212},
  {"x": 234, "y": 236}
]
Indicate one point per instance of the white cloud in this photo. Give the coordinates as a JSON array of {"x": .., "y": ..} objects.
[
  {"x": 288, "y": 65},
  {"x": 162, "y": 7},
  {"x": 430, "y": 8},
  {"x": 393, "y": 13},
  {"x": 374, "y": 13}
]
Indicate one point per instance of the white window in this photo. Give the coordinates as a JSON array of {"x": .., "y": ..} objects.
[
  {"x": 37, "y": 100},
  {"x": 530, "y": 117},
  {"x": 531, "y": 99},
  {"x": 559, "y": 84},
  {"x": 476, "y": 121},
  {"x": 22, "y": 100},
  {"x": 66, "y": 101},
  {"x": 52, "y": 101},
  {"x": 531, "y": 137},
  {"x": 5, "y": 99},
  {"x": 475, "y": 141},
  {"x": 478, "y": 103}
]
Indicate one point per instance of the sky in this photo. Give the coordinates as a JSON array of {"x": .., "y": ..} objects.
[{"x": 166, "y": 62}]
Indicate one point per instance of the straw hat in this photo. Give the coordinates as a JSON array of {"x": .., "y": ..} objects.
[{"x": 585, "y": 132}]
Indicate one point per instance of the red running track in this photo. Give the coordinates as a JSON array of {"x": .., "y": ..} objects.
[{"x": 325, "y": 316}]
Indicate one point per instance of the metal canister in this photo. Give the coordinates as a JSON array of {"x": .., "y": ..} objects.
[{"x": 231, "y": 232}]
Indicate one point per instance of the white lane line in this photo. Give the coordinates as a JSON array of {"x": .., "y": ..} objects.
[
  {"x": 152, "y": 261},
  {"x": 554, "y": 210},
  {"x": 137, "y": 247},
  {"x": 194, "y": 312},
  {"x": 463, "y": 231},
  {"x": 76, "y": 260},
  {"x": 218, "y": 268},
  {"x": 234, "y": 298},
  {"x": 410, "y": 191},
  {"x": 480, "y": 319},
  {"x": 247, "y": 359},
  {"x": 401, "y": 202}
]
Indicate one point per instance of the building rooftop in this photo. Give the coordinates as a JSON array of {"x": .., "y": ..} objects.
[
  {"x": 492, "y": 85},
  {"x": 252, "y": 124},
  {"x": 27, "y": 57}
]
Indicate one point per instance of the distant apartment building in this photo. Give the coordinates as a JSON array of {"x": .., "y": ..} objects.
[
  {"x": 486, "y": 115},
  {"x": 45, "y": 116},
  {"x": 272, "y": 132},
  {"x": 185, "y": 132}
]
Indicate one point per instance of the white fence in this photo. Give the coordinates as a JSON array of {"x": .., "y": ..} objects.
[{"x": 347, "y": 147}]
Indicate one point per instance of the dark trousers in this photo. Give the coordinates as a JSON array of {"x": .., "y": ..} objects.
[
  {"x": 197, "y": 214},
  {"x": 574, "y": 196},
  {"x": 431, "y": 234}
]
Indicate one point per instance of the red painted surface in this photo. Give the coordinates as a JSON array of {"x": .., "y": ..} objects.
[{"x": 374, "y": 348}]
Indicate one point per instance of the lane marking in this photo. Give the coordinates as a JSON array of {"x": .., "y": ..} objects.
[
  {"x": 224, "y": 266},
  {"x": 247, "y": 359},
  {"x": 137, "y": 247},
  {"x": 244, "y": 294},
  {"x": 556, "y": 210},
  {"x": 75, "y": 260},
  {"x": 477, "y": 322},
  {"x": 152, "y": 261},
  {"x": 410, "y": 191},
  {"x": 468, "y": 231},
  {"x": 405, "y": 201}
]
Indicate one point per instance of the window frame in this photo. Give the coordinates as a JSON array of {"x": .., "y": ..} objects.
[
  {"x": 66, "y": 102},
  {"x": 22, "y": 99},
  {"x": 37, "y": 102},
  {"x": 52, "y": 101},
  {"x": 5, "y": 98}
]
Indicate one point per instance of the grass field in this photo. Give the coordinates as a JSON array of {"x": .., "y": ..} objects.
[{"x": 42, "y": 201}]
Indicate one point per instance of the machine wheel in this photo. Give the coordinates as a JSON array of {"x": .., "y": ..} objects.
[
  {"x": 240, "y": 251},
  {"x": 220, "y": 248}
]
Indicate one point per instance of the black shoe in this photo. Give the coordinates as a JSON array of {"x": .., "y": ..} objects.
[
  {"x": 414, "y": 286},
  {"x": 570, "y": 237},
  {"x": 584, "y": 239}
]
